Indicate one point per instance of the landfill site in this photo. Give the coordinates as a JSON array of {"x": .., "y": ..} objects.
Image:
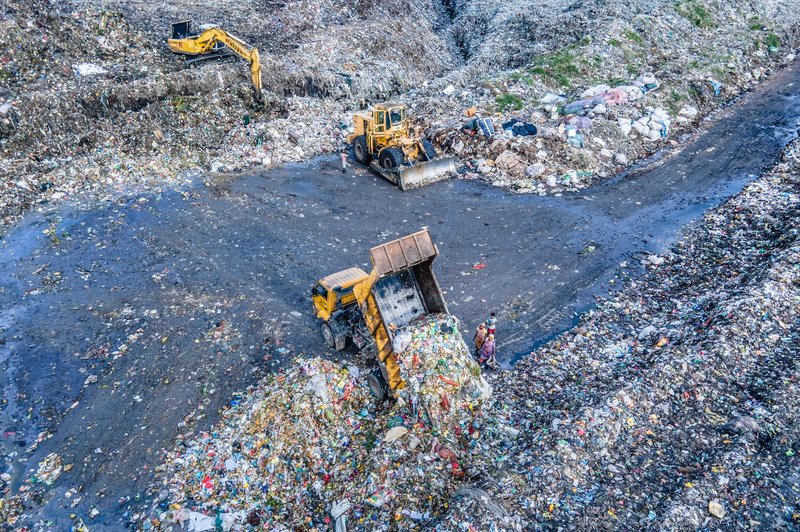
[{"x": 452, "y": 265}]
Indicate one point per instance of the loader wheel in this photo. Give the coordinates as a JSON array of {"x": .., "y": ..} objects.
[
  {"x": 327, "y": 335},
  {"x": 430, "y": 151},
  {"x": 360, "y": 150},
  {"x": 391, "y": 158}
]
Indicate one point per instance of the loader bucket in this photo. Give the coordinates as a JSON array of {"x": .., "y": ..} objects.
[{"x": 425, "y": 173}]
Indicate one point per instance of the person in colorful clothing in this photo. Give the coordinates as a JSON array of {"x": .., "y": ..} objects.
[
  {"x": 479, "y": 338},
  {"x": 487, "y": 352}
]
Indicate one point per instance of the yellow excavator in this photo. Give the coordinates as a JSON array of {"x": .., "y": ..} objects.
[
  {"x": 382, "y": 139},
  {"x": 213, "y": 43}
]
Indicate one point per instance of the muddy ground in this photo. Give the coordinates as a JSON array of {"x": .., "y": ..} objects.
[{"x": 131, "y": 323}]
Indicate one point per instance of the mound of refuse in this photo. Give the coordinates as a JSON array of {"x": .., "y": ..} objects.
[
  {"x": 673, "y": 405},
  {"x": 312, "y": 448},
  {"x": 441, "y": 376}
]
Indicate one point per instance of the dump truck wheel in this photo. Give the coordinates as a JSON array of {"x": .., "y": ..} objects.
[
  {"x": 430, "y": 151},
  {"x": 378, "y": 385},
  {"x": 327, "y": 335},
  {"x": 391, "y": 158},
  {"x": 360, "y": 151}
]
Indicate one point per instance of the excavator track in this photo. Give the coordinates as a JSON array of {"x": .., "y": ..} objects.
[{"x": 215, "y": 57}]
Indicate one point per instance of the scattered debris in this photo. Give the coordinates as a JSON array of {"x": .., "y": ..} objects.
[
  {"x": 624, "y": 418},
  {"x": 79, "y": 122},
  {"x": 673, "y": 401},
  {"x": 371, "y": 458}
]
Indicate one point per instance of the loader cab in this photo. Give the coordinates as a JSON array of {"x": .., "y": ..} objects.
[
  {"x": 380, "y": 121},
  {"x": 335, "y": 292},
  {"x": 389, "y": 117},
  {"x": 395, "y": 117}
]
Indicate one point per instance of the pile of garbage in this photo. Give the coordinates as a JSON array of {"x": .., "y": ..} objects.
[
  {"x": 113, "y": 112},
  {"x": 284, "y": 443},
  {"x": 674, "y": 404},
  {"x": 563, "y": 144},
  {"x": 442, "y": 379},
  {"x": 550, "y": 142},
  {"x": 654, "y": 88},
  {"x": 311, "y": 447}
]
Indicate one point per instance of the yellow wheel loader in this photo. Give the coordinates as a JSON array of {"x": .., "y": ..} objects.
[
  {"x": 214, "y": 44},
  {"x": 382, "y": 139},
  {"x": 369, "y": 308}
]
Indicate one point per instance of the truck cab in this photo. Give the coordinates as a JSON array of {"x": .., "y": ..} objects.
[{"x": 333, "y": 301}]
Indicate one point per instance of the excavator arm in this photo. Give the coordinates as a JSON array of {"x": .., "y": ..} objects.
[{"x": 208, "y": 39}]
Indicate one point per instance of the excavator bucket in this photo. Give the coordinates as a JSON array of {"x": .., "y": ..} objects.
[{"x": 424, "y": 173}]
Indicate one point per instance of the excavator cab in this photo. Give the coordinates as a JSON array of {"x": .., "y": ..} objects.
[
  {"x": 396, "y": 119},
  {"x": 181, "y": 30}
]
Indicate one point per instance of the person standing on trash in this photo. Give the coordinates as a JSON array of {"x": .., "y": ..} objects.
[
  {"x": 487, "y": 350},
  {"x": 344, "y": 161},
  {"x": 479, "y": 338},
  {"x": 491, "y": 324}
]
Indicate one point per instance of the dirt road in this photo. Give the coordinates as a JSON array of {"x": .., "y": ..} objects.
[{"x": 129, "y": 324}]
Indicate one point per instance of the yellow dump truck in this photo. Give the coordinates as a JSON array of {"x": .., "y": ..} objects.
[{"x": 369, "y": 308}]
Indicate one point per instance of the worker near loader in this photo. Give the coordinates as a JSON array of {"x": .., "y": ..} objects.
[{"x": 479, "y": 338}]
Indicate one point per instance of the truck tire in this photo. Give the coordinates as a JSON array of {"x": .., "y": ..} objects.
[
  {"x": 327, "y": 335},
  {"x": 430, "y": 151},
  {"x": 378, "y": 385},
  {"x": 391, "y": 158},
  {"x": 360, "y": 151}
]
